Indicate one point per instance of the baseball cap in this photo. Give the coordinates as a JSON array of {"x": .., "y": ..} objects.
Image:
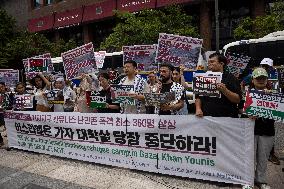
[
  {"x": 267, "y": 61},
  {"x": 259, "y": 72}
]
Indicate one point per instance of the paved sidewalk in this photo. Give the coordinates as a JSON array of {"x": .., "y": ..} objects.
[{"x": 26, "y": 170}]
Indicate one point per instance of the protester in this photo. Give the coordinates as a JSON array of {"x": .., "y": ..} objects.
[
  {"x": 81, "y": 101},
  {"x": 42, "y": 85},
  {"x": 178, "y": 77},
  {"x": 168, "y": 85},
  {"x": 153, "y": 84},
  {"x": 67, "y": 95},
  {"x": 226, "y": 106},
  {"x": 264, "y": 132},
  {"x": 140, "y": 86},
  {"x": 106, "y": 91}
]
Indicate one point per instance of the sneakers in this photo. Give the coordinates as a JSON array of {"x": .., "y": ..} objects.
[
  {"x": 264, "y": 186},
  {"x": 274, "y": 159}
]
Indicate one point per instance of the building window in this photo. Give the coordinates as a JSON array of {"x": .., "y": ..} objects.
[
  {"x": 48, "y": 2},
  {"x": 36, "y": 4}
]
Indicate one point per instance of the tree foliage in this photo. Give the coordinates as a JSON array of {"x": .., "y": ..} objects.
[
  {"x": 261, "y": 25},
  {"x": 144, "y": 27},
  {"x": 18, "y": 45}
]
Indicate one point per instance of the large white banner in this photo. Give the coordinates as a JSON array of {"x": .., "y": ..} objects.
[{"x": 216, "y": 149}]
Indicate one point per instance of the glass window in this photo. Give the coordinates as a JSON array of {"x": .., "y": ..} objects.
[
  {"x": 48, "y": 2},
  {"x": 36, "y": 3}
]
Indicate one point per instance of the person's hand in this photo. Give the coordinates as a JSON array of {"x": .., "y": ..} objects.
[
  {"x": 199, "y": 113},
  {"x": 221, "y": 87},
  {"x": 165, "y": 107},
  {"x": 133, "y": 95},
  {"x": 182, "y": 68},
  {"x": 253, "y": 117}
]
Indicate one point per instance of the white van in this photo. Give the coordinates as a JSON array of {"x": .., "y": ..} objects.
[{"x": 270, "y": 46}]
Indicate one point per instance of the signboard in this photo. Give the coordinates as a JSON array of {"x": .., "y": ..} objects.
[
  {"x": 55, "y": 96},
  {"x": 280, "y": 73},
  {"x": 78, "y": 60},
  {"x": 100, "y": 58},
  {"x": 23, "y": 101},
  {"x": 9, "y": 77},
  {"x": 237, "y": 63},
  {"x": 205, "y": 84},
  {"x": 32, "y": 65},
  {"x": 95, "y": 99},
  {"x": 155, "y": 99},
  {"x": 122, "y": 94},
  {"x": 177, "y": 50},
  {"x": 212, "y": 148},
  {"x": 266, "y": 105},
  {"x": 144, "y": 55}
]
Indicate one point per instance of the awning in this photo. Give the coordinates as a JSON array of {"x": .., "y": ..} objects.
[
  {"x": 162, "y": 3},
  {"x": 135, "y": 5},
  {"x": 40, "y": 24},
  {"x": 69, "y": 17},
  {"x": 99, "y": 10}
]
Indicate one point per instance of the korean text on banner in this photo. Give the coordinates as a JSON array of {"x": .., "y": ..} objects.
[
  {"x": 208, "y": 148},
  {"x": 177, "y": 50},
  {"x": 78, "y": 60}
]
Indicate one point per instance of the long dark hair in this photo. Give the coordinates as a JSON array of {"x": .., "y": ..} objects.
[{"x": 34, "y": 83}]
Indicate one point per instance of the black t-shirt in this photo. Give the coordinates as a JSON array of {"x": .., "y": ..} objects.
[
  {"x": 107, "y": 93},
  {"x": 222, "y": 107},
  {"x": 264, "y": 127}
]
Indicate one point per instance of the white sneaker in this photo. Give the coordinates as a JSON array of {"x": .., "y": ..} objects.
[
  {"x": 247, "y": 187},
  {"x": 264, "y": 186}
]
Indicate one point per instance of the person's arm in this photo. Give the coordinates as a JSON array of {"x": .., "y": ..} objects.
[
  {"x": 231, "y": 96},
  {"x": 198, "y": 110},
  {"x": 48, "y": 84},
  {"x": 182, "y": 80}
]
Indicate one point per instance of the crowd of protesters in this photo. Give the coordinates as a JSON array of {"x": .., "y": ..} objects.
[{"x": 167, "y": 79}]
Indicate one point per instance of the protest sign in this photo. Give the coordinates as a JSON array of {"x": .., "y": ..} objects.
[
  {"x": 36, "y": 64},
  {"x": 121, "y": 94},
  {"x": 4, "y": 102},
  {"x": 55, "y": 96},
  {"x": 155, "y": 99},
  {"x": 78, "y": 60},
  {"x": 263, "y": 104},
  {"x": 9, "y": 77},
  {"x": 213, "y": 148},
  {"x": 280, "y": 73},
  {"x": 205, "y": 84},
  {"x": 177, "y": 50},
  {"x": 237, "y": 63},
  {"x": 100, "y": 58},
  {"x": 95, "y": 99},
  {"x": 144, "y": 55},
  {"x": 23, "y": 101}
]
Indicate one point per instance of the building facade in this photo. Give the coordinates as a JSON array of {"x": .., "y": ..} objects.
[{"x": 93, "y": 20}]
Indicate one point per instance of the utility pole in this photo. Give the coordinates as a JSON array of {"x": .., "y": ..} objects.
[{"x": 217, "y": 25}]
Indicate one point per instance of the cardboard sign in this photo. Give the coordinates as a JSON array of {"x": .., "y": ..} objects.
[
  {"x": 78, "y": 60},
  {"x": 155, "y": 99},
  {"x": 9, "y": 77},
  {"x": 144, "y": 55},
  {"x": 121, "y": 94},
  {"x": 23, "y": 101},
  {"x": 205, "y": 84},
  {"x": 263, "y": 104},
  {"x": 177, "y": 50}
]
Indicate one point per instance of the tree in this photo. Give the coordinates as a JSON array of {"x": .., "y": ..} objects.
[
  {"x": 262, "y": 25},
  {"x": 144, "y": 27},
  {"x": 18, "y": 45}
]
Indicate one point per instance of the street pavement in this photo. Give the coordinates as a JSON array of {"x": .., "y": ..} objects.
[{"x": 27, "y": 170}]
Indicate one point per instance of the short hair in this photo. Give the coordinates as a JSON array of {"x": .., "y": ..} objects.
[
  {"x": 176, "y": 69},
  {"x": 169, "y": 66},
  {"x": 104, "y": 75},
  {"x": 134, "y": 64},
  {"x": 220, "y": 57},
  {"x": 2, "y": 83}
]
